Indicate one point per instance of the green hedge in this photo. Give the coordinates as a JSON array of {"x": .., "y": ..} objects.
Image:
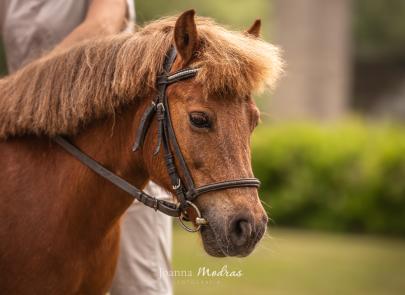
[{"x": 347, "y": 177}]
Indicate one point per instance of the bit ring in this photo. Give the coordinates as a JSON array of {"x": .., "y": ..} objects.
[{"x": 199, "y": 220}]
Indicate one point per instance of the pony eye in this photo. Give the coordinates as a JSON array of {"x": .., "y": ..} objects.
[{"x": 200, "y": 120}]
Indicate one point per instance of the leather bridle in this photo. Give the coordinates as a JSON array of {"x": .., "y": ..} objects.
[{"x": 184, "y": 186}]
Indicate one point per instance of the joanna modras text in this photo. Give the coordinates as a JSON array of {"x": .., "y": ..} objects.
[{"x": 202, "y": 271}]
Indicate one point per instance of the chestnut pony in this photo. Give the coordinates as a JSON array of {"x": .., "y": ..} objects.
[{"x": 59, "y": 221}]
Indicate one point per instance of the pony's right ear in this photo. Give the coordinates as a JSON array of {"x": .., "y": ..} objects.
[{"x": 185, "y": 36}]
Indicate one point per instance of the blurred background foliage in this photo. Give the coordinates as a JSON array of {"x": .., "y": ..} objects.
[
  {"x": 240, "y": 16},
  {"x": 3, "y": 66},
  {"x": 344, "y": 176},
  {"x": 379, "y": 29}
]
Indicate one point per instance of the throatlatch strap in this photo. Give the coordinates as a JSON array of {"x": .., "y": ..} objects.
[{"x": 159, "y": 205}]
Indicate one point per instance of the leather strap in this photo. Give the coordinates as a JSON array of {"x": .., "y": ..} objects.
[
  {"x": 143, "y": 126},
  {"x": 244, "y": 182},
  {"x": 159, "y": 205},
  {"x": 177, "y": 76}
]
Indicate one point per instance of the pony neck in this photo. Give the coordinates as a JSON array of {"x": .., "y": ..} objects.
[{"x": 110, "y": 143}]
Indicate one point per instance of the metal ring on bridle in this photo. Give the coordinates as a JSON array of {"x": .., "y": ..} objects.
[{"x": 199, "y": 221}]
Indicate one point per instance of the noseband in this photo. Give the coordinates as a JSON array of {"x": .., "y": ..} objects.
[{"x": 184, "y": 186}]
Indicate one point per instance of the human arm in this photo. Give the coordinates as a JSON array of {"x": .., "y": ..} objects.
[{"x": 104, "y": 17}]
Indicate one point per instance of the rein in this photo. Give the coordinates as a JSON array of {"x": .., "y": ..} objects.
[{"x": 185, "y": 189}]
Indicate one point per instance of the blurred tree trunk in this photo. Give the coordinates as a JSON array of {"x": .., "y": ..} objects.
[{"x": 315, "y": 36}]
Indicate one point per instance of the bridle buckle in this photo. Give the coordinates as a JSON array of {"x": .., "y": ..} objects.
[
  {"x": 178, "y": 185},
  {"x": 161, "y": 106}
]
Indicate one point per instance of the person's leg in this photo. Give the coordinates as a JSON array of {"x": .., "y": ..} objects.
[{"x": 145, "y": 251}]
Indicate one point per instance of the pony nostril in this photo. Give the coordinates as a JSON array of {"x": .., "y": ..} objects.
[{"x": 240, "y": 232}]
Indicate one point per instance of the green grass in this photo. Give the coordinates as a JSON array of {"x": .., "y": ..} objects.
[{"x": 296, "y": 262}]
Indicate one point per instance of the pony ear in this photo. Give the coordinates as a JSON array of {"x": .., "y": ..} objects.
[
  {"x": 185, "y": 36},
  {"x": 254, "y": 30}
]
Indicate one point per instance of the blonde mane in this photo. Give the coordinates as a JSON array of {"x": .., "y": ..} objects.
[{"x": 61, "y": 92}]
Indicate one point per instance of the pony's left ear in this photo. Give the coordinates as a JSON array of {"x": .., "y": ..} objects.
[
  {"x": 254, "y": 30},
  {"x": 185, "y": 36}
]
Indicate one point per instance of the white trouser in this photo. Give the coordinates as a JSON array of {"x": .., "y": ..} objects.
[{"x": 145, "y": 250}]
